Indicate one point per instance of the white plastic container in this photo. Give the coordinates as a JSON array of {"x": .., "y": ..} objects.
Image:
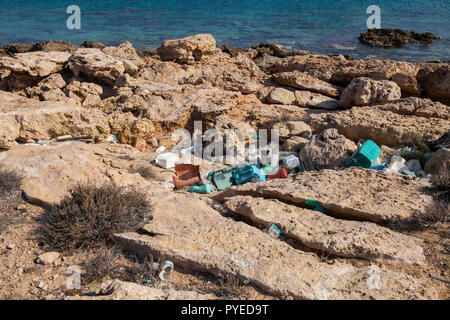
[
  {"x": 291, "y": 161},
  {"x": 167, "y": 160}
]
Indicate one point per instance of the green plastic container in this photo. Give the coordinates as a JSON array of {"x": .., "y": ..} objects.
[
  {"x": 222, "y": 178},
  {"x": 366, "y": 155}
]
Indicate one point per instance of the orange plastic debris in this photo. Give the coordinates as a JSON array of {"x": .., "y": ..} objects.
[
  {"x": 187, "y": 174},
  {"x": 281, "y": 173}
]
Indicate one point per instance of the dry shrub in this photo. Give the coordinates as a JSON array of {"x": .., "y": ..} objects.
[
  {"x": 9, "y": 182},
  {"x": 441, "y": 179},
  {"x": 231, "y": 287},
  {"x": 111, "y": 264},
  {"x": 436, "y": 215},
  {"x": 9, "y": 196},
  {"x": 90, "y": 215}
]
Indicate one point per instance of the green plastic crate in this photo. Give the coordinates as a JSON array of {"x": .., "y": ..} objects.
[
  {"x": 222, "y": 178},
  {"x": 366, "y": 155}
]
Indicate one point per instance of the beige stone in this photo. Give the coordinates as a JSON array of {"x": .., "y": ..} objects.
[
  {"x": 202, "y": 240},
  {"x": 304, "y": 81},
  {"x": 355, "y": 193},
  {"x": 344, "y": 238},
  {"x": 365, "y": 91}
]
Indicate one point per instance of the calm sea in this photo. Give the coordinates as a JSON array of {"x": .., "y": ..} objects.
[{"x": 323, "y": 26}]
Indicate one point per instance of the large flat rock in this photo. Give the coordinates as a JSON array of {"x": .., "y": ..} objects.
[
  {"x": 353, "y": 193},
  {"x": 389, "y": 124},
  {"x": 196, "y": 237},
  {"x": 27, "y": 119},
  {"x": 50, "y": 171},
  {"x": 121, "y": 290},
  {"x": 349, "y": 239}
]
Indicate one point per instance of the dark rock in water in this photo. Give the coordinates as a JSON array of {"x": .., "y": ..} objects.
[
  {"x": 17, "y": 48},
  {"x": 275, "y": 50},
  {"x": 395, "y": 37},
  {"x": 441, "y": 143},
  {"x": 56, "y": 45},
  {"x": 92, "y": 44}
]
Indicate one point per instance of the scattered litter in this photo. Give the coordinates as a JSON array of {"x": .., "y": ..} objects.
[
  {"x": 414, "y": 165},
  {"x": 380, "y": 167},
  {"x": 315, "y": 204},
  {"x": 206, "y": 188},
  {"x": 409, "y": 173},
  {"x": 160, "y": 149},
  {"x": 166, "y": 271},
  {"x": 112, "y": 139},
  {"x": 397, "y": 165},
  {"x": 366, "y": 155},
  {"x": 222, "y": 178},
  {"x": 166, "y": 160},
  {"x": 291, "y": 161},
  {"x": 247, "y": 173},
  {"x": 439, "y": 278},
  {"x": 272, "y": 230},
  {"x": 281, "y": 173},
  {"x": 64, "y": 138},
  {"x": 186, "y": 175},
  {"x": 44, "y": 142}
]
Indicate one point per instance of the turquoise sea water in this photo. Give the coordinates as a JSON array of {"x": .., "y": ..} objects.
[{"x": 323, "y": 26}]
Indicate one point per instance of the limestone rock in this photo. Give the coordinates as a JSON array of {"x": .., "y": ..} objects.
[
  {"x": 48, "y": 258},
  {"x": 54, "y": 45},
  {"x": 341, "y": 70},
  {"x": 96, "y": 64},
  {"x": 344, "y": 238},
  {"x": 202, "y": 240},
  {"x": 49, "y": 89},
  {"x": 310, "y": 99},
  {"x": 435, "y": 82},
  {"x": 418, "y": 107},
  {"x": 189, "y": 49},
  {"x": 281, "y": 96},
  {"x": 328, "y": 149},
  {"x": 126, "y": 53},
  {"x": 121, "y": 290},
  {"x": 355, "y": 193},
  {"x": 438, "y": 160},
  {"x": 288, "y": 129},
  {"x": 220, "y": 70},
  {"x": 304, "y": 81},
  {"x": 380, "y": 125},
  {"x": 36, "y": 64},
  {"x": 294, "y": 144},
  {"x": 365, "y": 91},
  {"x": 23, "y": 119},
  {"x": 87, "y": 93}
]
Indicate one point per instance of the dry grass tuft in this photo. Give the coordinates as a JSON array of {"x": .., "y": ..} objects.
[{"x": 89, "y": 216}]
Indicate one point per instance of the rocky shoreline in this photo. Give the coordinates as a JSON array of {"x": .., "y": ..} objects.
[{"x": 323, "y": 106}]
